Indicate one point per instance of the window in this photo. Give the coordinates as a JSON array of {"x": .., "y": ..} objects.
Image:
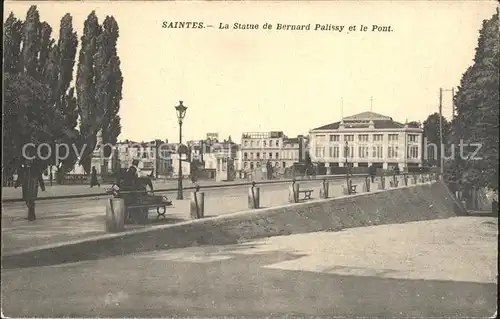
[
  {"x": 251, "y": 143},
  {"x": 251, "y": 165},
  {"x": 319, "y": 152},
  {"x": 277, "y": 164},
  {"x": 264, "y": 143},
  {"x": 277, "y": 155},
  {"x": 277, "y": 144},
  {"x": 348, "y": 138},
  {"x": 258, "y": 155},
  {"x": 284, "y": 164},
  {"x": 392, "y": 151},
  {"x": 258, "y": 164},
  {"x": 349, "y": 151},
  {"x": 413, "y": 138},
  {"x": 270, "y": 155},
  {"x": 245, "y": 165},
  {"x": 393, "y": 137},
  {"x": 258, "y": 143},
  {"x": 378, "y": 152},
  {"x": 413, "y": 151},
  {"x": 378, "y": 137},
  {"x": 334, "y": 138},
  {"x": 335, "y": 151},
  {"x": 363, "y": 151},
  {"x": 251, "y": 156},
  {"x": 363, "y": 138}
]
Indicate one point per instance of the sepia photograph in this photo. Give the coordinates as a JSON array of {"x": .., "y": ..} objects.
[{"x": 250, "y": 159}]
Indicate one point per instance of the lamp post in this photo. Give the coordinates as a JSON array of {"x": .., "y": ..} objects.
[
  {"x": 181, "y": 112},
  {"x": 346, "y": 151}
]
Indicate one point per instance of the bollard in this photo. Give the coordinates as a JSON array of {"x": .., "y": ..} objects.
[
  {"x": 393, "y": 182},
  {"x": 323, "y": 192},
  {"x": 253, "y": 197},
  {"x": 381, "y": 184},
  {"x": 115, "y": 215},
  {"x": 293, "y": 192},
  {"x": 413, "y": 179},
  {"x": 366, "y": 185},
  {"x": 197, "y": 204}
]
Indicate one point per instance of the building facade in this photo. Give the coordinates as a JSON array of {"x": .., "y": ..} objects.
[
  {"x": 259, "y": 147},
  {"x": 155, "y": 156},
  {"x": 367, "y": 138}
]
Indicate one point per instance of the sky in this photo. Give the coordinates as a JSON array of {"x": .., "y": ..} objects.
[{"x": 236, "y": 81}]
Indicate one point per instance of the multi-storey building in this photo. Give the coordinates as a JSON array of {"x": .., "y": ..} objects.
[
  {"x": 367, "y": 138},
  {"x": 212, "y": 152},
  {"x": 259, "y": 147},
  {"x": 153, "y": 156}
]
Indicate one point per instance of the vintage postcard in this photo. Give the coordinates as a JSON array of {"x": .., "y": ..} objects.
[{"x": 284, "y": 159}]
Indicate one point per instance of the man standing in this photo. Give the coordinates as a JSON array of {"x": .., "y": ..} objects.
[{"x": 29, "y": 178}]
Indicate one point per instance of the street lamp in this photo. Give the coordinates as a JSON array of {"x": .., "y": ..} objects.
[
  {"x": 346, "y": 151},
  {"x": 181, "y": 112}
]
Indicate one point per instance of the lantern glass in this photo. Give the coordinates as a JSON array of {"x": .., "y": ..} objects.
[{"x": 181, "y": 110}]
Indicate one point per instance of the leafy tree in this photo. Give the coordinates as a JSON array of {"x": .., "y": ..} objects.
[
  {"x": 432, "y": 146},
  {"x": 109, "y": 82},
  {"x": 90, "y": 115},
  {"x": 29, "y": 117},
  {"x": 12, "y": 44},
  {"x": 65, "y": 99},
  {"x": 477, "y": 111},
  {"x": 32, "y": 29}
]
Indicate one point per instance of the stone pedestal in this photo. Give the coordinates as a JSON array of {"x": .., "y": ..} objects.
[
  {"x": 381, "y": 184},
  {"x": 366, "y": 185},
  {"x": 293, "y": 193},
  {"x": 197, "y": 205},
  {"x": 253, "y": 197},
  {"x": 324, "y": 191},
  {"x": 115, "y": 215}
]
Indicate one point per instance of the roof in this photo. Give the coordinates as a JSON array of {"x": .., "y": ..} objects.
[{"x": 362, "y": 120}]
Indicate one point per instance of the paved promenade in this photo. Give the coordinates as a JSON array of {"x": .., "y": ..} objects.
[
  {"x": 439, "y": 268},
  {"x": 64, "y": 220},
  {"x": 68, "y": 190}
]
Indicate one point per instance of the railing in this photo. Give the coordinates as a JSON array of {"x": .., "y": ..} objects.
[{"x": 197, "y": 187}]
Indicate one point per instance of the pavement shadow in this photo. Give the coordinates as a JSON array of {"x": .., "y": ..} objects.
[{"x": 481, "y": 214}]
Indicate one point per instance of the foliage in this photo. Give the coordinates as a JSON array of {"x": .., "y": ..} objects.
[
  {"x": 432, "y": 137},
  {"x": 41, "y": 106},
  {"x": 90, "y": 114},
  {"x": 477, "y": 109},
  {"x": 29, "y": 117},
  {"x": 109, "y": 82}
]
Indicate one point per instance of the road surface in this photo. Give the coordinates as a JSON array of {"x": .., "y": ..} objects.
[
  {"x": 64, "y": 220},
  {"x": 68, "y": 190},
  {"x": 442, "y": 268}
]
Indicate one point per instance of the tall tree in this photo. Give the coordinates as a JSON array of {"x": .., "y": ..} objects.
[
  {"x": 432, "y": 145},
  {"x": 477, "y": 108},
  {"x": 32, "y": 29},
  {"x": 109, "y": 82},
  {"x": 13, "y": 34},
  {"x": 65, "y": 96},
  {"x": 90, "y": 114}
]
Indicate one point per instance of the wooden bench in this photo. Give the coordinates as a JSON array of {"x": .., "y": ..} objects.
[
  {"x": 161, "y": 210},
  {"x": 307, "y": 193},
  {"x": 146, "y": 203}
]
